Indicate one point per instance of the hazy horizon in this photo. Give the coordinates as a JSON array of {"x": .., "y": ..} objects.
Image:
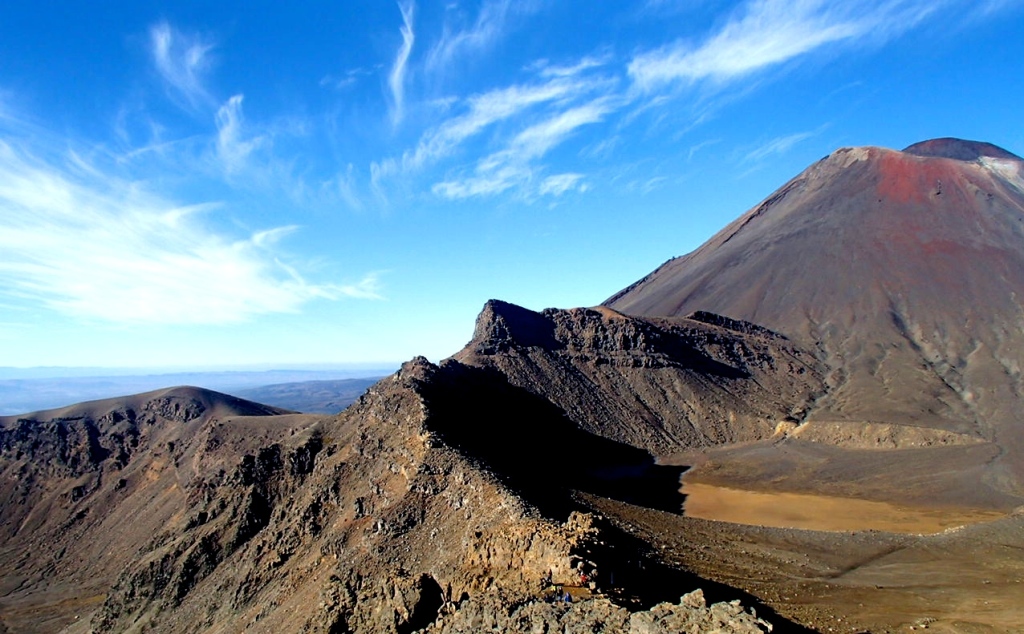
[
  {"x": 56, "y": 372},
  {"x": 23, "y": 394}
]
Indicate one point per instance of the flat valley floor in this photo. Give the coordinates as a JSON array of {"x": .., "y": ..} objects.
[{"x": 836, "y": 563}]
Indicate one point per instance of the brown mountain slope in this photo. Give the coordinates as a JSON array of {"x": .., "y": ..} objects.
[
  {"x": 52, "y": 458},
  {"x": 426, "y": 502},
  {"x": 904, "y": 269},
  {"x": 82, "y": 488},
  {"x": 664, "y": 384}
]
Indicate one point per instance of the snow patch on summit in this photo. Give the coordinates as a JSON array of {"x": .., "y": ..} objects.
[
  {"x": 1010, "y": 170},
  {"x": 854, "y": 154}
]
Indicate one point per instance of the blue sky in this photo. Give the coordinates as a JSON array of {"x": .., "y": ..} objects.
[{"x": 258, "y": 184}]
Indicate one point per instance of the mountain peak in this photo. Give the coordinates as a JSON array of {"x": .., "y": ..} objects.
[
  {"x": 959, "y": 149},
  {"x": 909, "y": 261}
]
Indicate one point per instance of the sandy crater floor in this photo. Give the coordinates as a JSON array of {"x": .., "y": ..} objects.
[
  {"x": 848, "y": 540},
  {"x": 822, "y": 512}
]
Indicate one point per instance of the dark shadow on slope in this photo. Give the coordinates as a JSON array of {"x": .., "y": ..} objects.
[
  {"x": 539, "y": 452},
  {"x": 634, "y": 576},
  {"x": 427, "y": 607},
  {"x": 536, "y": 449}
]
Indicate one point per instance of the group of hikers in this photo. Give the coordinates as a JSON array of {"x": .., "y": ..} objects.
[{"x": 559, "y": 593}]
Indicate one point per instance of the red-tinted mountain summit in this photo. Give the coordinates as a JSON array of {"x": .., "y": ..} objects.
[{"x": 904, "y": 269}]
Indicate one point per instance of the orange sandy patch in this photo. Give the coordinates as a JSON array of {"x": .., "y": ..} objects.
[{"x": 821, "y": 512}]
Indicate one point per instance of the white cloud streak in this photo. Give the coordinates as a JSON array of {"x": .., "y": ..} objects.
[
  {"x": 233, "y": 149},
  {"x": 99, "y": 248},
  {"x": 486, "y": 30},
  {"x": 574, "y": 69},
  {"x": 512, "y": 166},
  {"x": 346, "y": 184},
  {"x": 485, "y": 110},
  {"x": 526, "y": 121},
  {"x": 986, "y": 8},
  {"x": 396, "y": 78},
  {"x": 700, "y": 146},
  {"x": 181, "y": 60},
  {"x": 778, "y": 145},
  {"x": 537, "y": 140},
  {"x": 508, "y": 168},
  {"x": 769, "y": 32},
  {"x": 561, "y": 183}
]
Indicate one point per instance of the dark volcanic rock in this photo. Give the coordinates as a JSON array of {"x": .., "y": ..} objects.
[
  {"x": 959, "y": 149},
  {"x": 852, "y": 298},
  {"x": 662, "y": 384},
  {"x": 601, "y": 616}
]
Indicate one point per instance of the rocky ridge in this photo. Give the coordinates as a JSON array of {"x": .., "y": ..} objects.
[
  {"x": 600, "y": 616},
  {"x": 388, "y": 518},
  {"x": 663, "y": 384}
]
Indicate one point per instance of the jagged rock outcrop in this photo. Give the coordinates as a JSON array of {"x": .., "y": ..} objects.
[
  {"x": 364, "y": 523},
  {"x": 601, "y": 616},
  {"x": 83, "y": 488},
  {"x": 664, "y": 384},
  {"x": 423, "y": 499}
]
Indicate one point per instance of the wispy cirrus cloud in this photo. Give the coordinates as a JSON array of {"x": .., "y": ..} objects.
[
  {"x": 500, "y": 137},
  {"x": 514, "y": 165},
  {"x": 396, "y": 78},
  {"x": 766, "y": 33},
  {"x": 346, "y": 79},
  {"x": 233, "y": 148},
  {"x": 345, "y": 182},
  {"x": 486, "y": 110},
  {"x": 559, "y": 184},
  {"x": 587, "y": 63},
  {"x": 777, "y": 146},
  {"x": 700, "y": 146},
  {"x": 96, "y": 247},
  {"x": 488, "y": 27},
  {"x": 986, "y": 8},
  {"x": 182, "y": 61},
  {"x": 538, "y": 139},
  {"x": 497, "y": 171}
]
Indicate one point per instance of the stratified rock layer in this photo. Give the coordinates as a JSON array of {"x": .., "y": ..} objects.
[{"x": 664, "y": 384}]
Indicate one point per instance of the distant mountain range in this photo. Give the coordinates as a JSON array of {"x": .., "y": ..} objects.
[
  {"x": 310, "y": 397},
  {"x": 28, "y": 390}
]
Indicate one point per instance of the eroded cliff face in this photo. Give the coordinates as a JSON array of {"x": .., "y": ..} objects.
[
  {"x": 365, "y": 523},
  {"x": 82, "y": 489},
  {"x": 664, "y": 384}
]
